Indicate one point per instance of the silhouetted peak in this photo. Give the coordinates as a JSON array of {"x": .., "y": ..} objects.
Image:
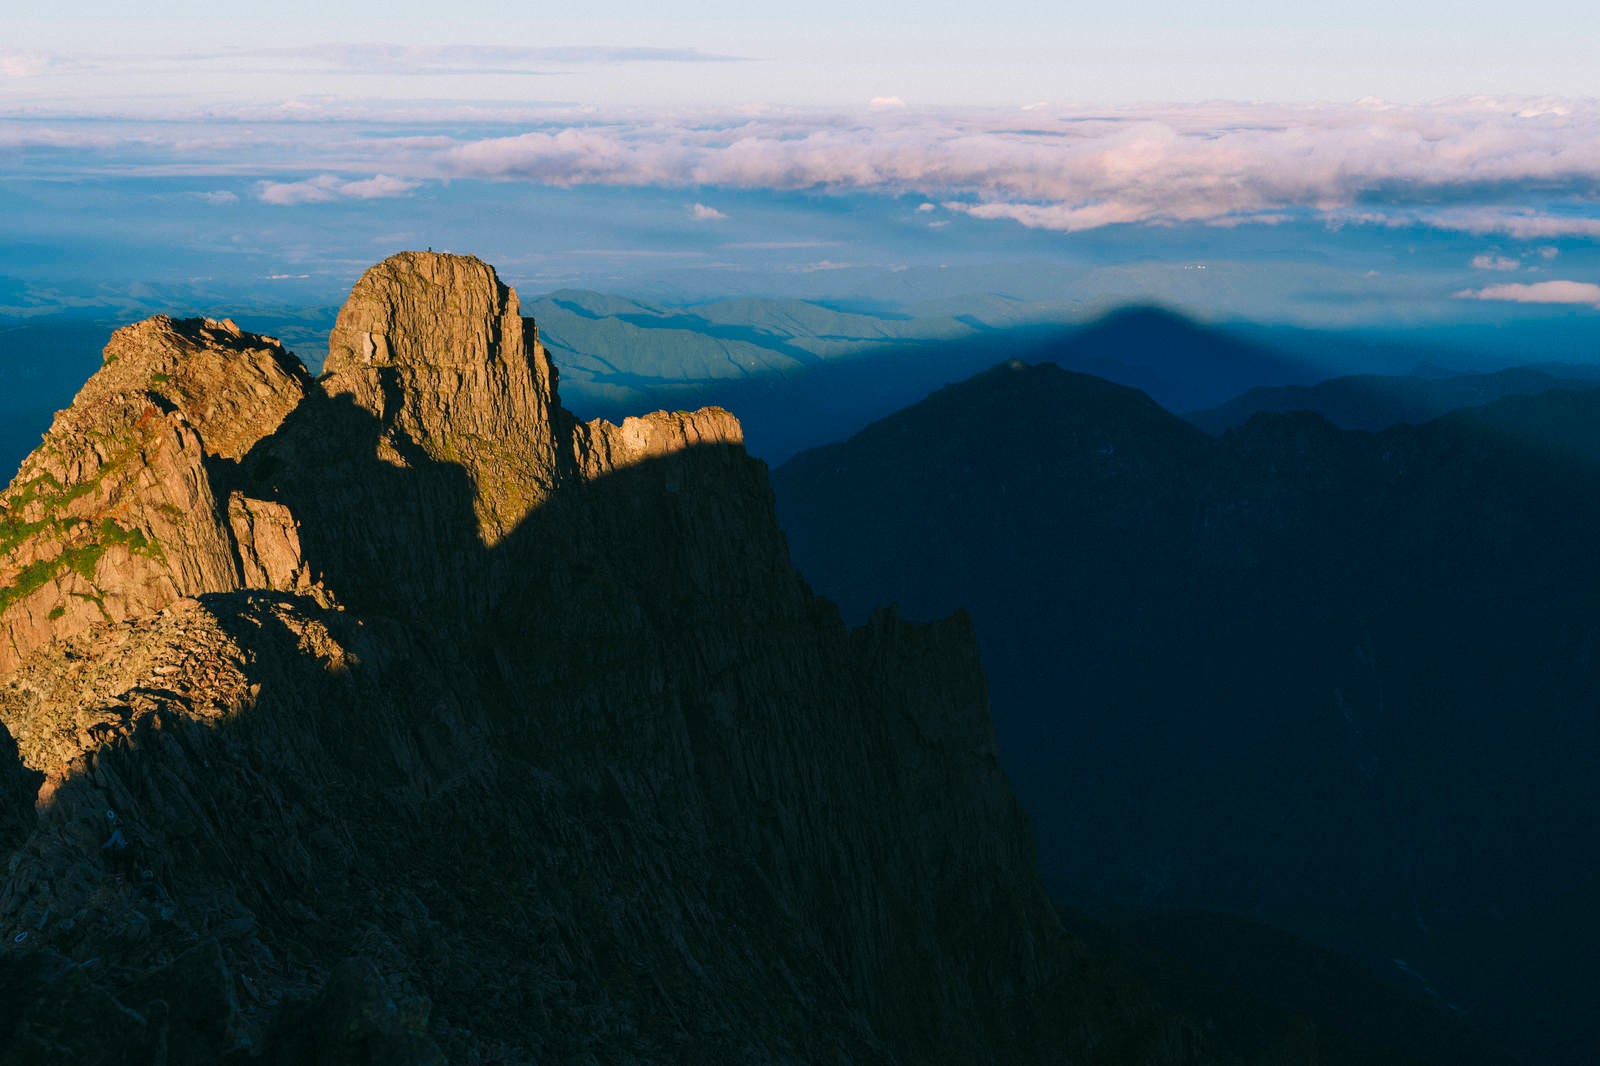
[
  {"x": 1289, "y": 423},
  {"x": 1142, "y": 331},
  {"x": 1016, "y": 392}
]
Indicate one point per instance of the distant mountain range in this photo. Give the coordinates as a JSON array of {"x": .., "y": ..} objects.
[
  {"x": 797, "y": 374},
  {"x": 1256, "y": 986},
  {"x": 1376, "y": 401},
  {"x": 801, "y": 374},
  {"x": 1343, "y": 682}
]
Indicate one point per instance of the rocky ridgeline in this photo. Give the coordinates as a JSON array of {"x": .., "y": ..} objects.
[
  {"x": 117, "y": 513},
  {"x": 441, "y": 727}
]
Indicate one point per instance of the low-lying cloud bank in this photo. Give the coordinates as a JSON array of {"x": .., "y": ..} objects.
[
  {"x": 1523, "y": 169},
  {"x": 1543, "y": 292},
  {"x": 328, "y": 188},
  {"x": 1527, "y": 169}
]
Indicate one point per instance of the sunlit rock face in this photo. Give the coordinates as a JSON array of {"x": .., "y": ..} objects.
[
  {"x": 441, "y": 727},
  {"x": 433, "y": 347},
  {"x": 118, "y": 512}
]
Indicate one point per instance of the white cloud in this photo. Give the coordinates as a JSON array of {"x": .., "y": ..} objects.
[
  {"x": 1067, "y": 171},
  {"x": 289, "y": 193},
  {"x": 702, "y": 213},
  {"x": 1548, "y": 252},
  {"x": 926, "y": 207},
  {"x": 1523, "y": 224},
  {"x": 1494, "y": 262},
  {"x": 218, "y": 198},
  {"x": 1064, "y": 218},
  {"x": 886, "y": 103},
  {"x": 1544, "y": 292},
  {"x": 1519, "y": 170},
  {"x": 377, "y": 187},
  {"x": 327, "y": 188}
]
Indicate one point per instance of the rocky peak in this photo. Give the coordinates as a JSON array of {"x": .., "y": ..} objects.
[
  {"x": 117, "y": 513},
  {"x": 232, "y": 387},
  {"x": 190, "y": 462},
  {"x": 435, "y": 348}
]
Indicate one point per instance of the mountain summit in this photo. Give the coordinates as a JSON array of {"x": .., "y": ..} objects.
[{"x": 396, "y": 716}]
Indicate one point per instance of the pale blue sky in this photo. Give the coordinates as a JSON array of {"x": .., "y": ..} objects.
[
  {"x": 833, "y": 148},
  {"x": 931, "y": 52}
]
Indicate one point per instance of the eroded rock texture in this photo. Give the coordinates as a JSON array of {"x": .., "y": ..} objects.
[
  {"x": 117, "y": 513},
  {"x": 443, "y": 728}
]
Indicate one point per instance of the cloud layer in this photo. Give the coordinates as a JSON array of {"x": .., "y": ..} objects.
[
  {"x": 1494, "y": 262},
  {"x": 1528, "y": 170},
  {"x": 1544, "y": 292},
  {"x": 328, "y": 188}
]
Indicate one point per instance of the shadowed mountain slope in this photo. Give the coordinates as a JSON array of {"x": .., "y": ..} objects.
[
  {"x": 1341, "y": 682},
  {"x": 439, "y": 726},
  {"x": 1374, "y": 402},
  {"x": 1252, "y": 983}
]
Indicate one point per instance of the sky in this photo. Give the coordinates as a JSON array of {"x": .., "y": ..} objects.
[
  {"x": 1397, "y": 163},
  {"x": 834, "y": 52}
]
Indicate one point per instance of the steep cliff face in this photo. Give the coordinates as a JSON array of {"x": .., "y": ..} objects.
[
  {"x": 444, "y": 728},
  {"x": 118, "y": 513},
  {"x": 433, "y": 347}
]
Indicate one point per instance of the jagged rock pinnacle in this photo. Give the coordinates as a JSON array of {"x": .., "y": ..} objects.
[
  {"x": 201, "y": 458},
  {"x": 433, "y": 345},
  {"x": 115, "y": 515}
]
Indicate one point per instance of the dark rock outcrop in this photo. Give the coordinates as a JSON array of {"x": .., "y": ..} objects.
[{"x": 440, "y": 727}]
